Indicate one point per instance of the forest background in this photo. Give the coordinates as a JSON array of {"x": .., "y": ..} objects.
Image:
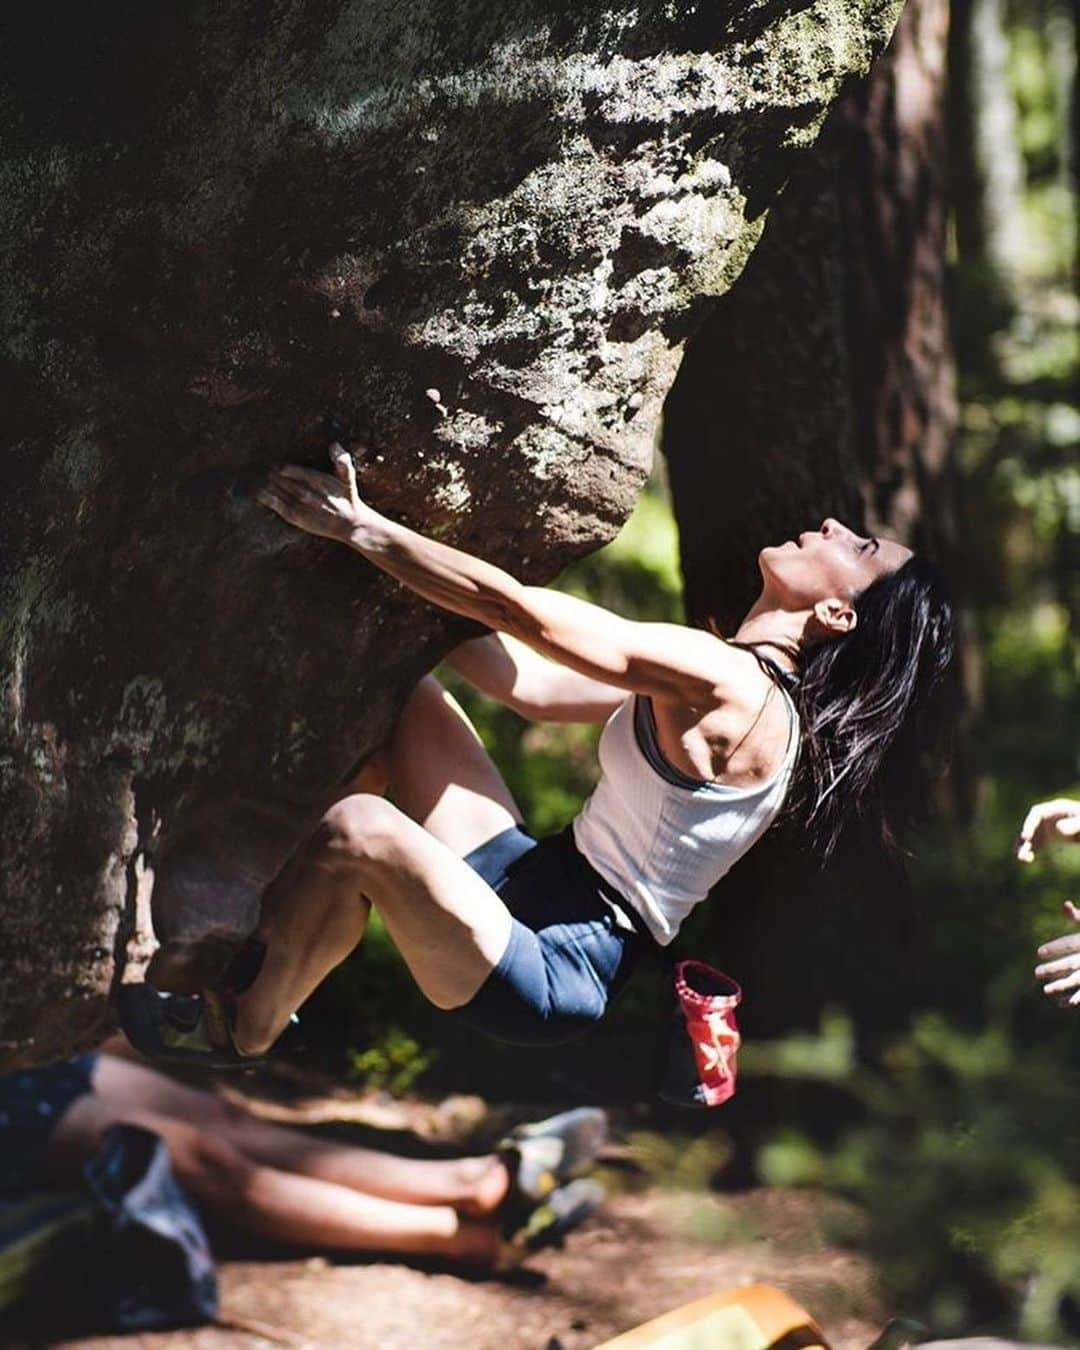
[{"x": 898, "y": 1050}]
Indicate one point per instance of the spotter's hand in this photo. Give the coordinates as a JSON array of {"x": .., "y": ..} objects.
[
  {"x": 1058, "y": 819},
  {"x": 319, "y": 503},
  {"x": 1059, "y": 971}
]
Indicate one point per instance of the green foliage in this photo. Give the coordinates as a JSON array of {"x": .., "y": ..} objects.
[
  {"x": 679, "y": 1162},
  {"x": 370, "y": 1015},
  {"x": 1039, "y": 78},
  {"x": 391, "y": 1064},
  {"x": 967, "y": 1165},
  {"x": 637, "y": 574},
  {"x": 790, "y": 1158},
  {"x": 966, "y": 1155},
  {"x": 983, "y": 914},
  {"x": 828, "y": 1056}
]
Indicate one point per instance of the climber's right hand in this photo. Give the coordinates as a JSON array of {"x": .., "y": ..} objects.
[{"x": 318, "y": 503}]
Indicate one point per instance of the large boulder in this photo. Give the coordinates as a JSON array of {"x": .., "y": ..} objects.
[{"x": 474, "y": 233}]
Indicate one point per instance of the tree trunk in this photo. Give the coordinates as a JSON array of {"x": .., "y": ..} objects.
[
  {"x": 986, "y": 179},
  {"x": 997, "y": 144},
  {"x": 823, "y": 384}
]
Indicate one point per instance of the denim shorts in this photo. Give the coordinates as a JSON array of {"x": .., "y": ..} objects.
[
  {"x": 568, "y": 954},
  {"x": 31, "y": 1103}
]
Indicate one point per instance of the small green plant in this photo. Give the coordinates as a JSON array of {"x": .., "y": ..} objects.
[{"x": 393, "y": 1064}]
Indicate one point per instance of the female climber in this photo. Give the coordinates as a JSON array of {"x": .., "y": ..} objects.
[{"x": 818, "y": 706}]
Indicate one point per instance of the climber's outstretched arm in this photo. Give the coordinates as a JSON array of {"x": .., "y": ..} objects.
[
  {"x": 538, "y": 689},
  {"x": 662, "y": 660}
]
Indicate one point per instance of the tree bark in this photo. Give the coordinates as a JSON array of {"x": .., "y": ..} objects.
[{"x": 998, "y": 154}]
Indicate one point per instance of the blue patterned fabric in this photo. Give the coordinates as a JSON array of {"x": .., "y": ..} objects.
[{"x": 31, "y": 1102}]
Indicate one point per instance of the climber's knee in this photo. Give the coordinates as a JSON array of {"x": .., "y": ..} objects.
[
  {"x": 429, "y": 693},
  {"x": 360, "y": 831},
  {"x": 190, "y": 967}
]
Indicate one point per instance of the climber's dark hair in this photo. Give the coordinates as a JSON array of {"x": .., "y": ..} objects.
[{"x": 871, "y": 711}]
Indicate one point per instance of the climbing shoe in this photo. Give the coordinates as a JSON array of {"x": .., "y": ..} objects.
[
  {"x": 545, "y": 1154},
  {"x": 548, "y": 1224},
  {"x": 181, "y": 1029}
]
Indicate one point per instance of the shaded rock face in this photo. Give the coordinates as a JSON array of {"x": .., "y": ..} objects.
[{"x": 476, "y": 235}]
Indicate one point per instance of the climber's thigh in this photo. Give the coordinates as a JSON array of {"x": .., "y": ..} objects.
[
  {"x": 441, "y": 775},
  {"x": 447, "y": 922}
]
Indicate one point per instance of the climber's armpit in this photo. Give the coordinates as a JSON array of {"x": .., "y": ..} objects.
[{"x": 536, "y": 688}]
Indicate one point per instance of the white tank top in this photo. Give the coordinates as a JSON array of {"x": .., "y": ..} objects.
[{"x": 664, "y": 840}]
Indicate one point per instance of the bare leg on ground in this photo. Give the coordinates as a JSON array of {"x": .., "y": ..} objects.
[
  {"x": 285, "y": 1206},
  {"x": 474, "y": 1186}
]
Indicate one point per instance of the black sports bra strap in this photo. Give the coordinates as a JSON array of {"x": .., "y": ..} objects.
[{"x": 789, "y": 679}]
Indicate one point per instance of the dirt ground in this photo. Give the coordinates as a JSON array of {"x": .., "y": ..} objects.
[
  {"x": 651, "y": 1249},
  {"x": 645, "y": 1254}
]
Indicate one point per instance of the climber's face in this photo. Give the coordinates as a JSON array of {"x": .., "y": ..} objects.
[{"x": 831, "y": 563}]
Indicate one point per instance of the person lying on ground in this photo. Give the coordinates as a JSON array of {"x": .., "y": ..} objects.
[
  {"x": 819, "y": 706},
  {"x": 1059, "y": 960},
  {"x": 487, "y": 1212}
]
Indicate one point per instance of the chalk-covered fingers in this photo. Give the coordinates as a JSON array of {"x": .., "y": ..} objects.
[
  {"x": 1061, "y": 949},
  {"x": 319, "y": 503},
  {"x": 296, "y": 504},
  {"x": 345, "y": 470},
  {"x": 1059, "y": 818}
]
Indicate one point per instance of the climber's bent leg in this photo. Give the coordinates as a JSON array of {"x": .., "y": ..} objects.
[
  {"x": 441, "y": 776},
  {"x": 449, "y": 925},
  {"x": 315, "y": 913},
  {"x": 517, "y": 935},
  {"x": 538, "y": 979}
]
